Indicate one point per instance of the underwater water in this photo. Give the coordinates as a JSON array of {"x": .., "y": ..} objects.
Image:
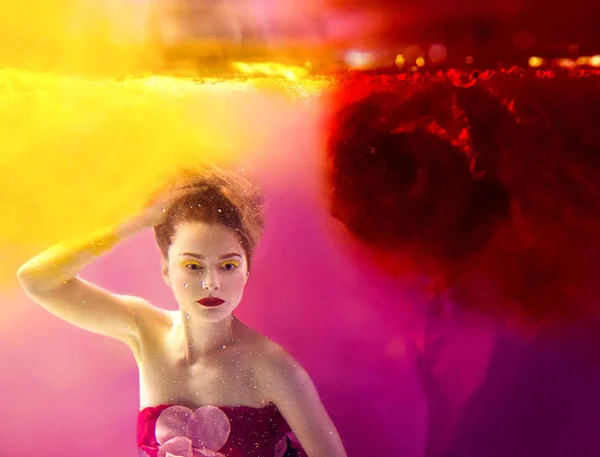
[
  {"x": 68, "y": 391},
  {"x": 398, "y": 380},
  {"x": 88, "y": 153},
  {"x": 479, "y": 389}
]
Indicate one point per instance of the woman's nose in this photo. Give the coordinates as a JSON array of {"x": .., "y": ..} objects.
[{"x": 210, "y": 281}]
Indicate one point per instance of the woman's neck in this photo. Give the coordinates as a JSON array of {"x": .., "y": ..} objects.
[{"x": 202, "y": 338}]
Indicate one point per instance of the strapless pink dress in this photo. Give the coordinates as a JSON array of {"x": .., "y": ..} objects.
[{"x": 210, "y": 431}]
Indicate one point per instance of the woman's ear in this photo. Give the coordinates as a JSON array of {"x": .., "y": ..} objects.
[{"x": 164, "y": 269}]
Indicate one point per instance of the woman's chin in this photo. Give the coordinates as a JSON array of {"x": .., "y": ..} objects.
[{"x": 207, "y": 314}]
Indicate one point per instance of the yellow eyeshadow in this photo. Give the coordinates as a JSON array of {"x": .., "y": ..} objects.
[
  {"x": 231, "y": 262},
  {"x": 186, "y": 263}
]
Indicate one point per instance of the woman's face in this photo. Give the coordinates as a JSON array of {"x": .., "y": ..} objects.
[{"x": 207, "y": 270}]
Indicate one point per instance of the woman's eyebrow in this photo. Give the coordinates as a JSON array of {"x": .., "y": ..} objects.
[
  {"x": 201, "y": 257},
  {"x": 231, "y": 254},
  {"x": 191, "y": 254}
]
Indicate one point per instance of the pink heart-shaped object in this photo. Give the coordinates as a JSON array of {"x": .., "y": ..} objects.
[
  {"x": 171, "y": 423},
  {"x": 208, "y": 428}
]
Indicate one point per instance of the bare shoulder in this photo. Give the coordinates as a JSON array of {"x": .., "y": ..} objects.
[
  {"x": 278, "y": 369},
  {"x": 266, "y": 354},
  {"x": 262, "y": 348},
  {"x": 275, "y": 369},
  {"x": 276, "y": 357},
  {"x": 287, "y": 384}
]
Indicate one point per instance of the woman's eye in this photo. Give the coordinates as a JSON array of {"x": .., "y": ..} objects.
[
  {"x": 193, "y": 266},
  {"x": 230, "y": 266}
]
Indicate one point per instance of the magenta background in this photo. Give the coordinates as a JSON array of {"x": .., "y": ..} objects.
[{"x": 478, "y": 391}]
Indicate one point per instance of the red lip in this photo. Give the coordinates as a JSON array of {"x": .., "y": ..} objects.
[{"x": 210, "y": 301}]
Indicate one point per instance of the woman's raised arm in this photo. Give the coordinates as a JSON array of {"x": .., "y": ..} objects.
[{"x": 51, "y": 279}]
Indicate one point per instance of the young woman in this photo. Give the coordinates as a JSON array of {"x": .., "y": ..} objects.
[{"x": 209, "y": 385}]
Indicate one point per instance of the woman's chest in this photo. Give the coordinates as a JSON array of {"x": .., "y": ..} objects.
[{"x": 228, "y": 379}]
